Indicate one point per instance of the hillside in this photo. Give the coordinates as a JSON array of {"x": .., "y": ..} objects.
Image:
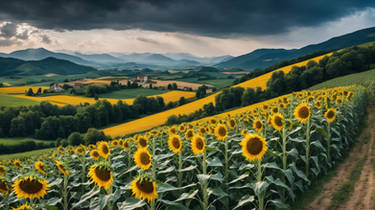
[
  {"x": 262, "y": 58},
  {"x": 11, "y": 66},
  {"x": 160, "y": 118}
]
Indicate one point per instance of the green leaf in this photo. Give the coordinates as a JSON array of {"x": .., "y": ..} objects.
[
  {"x": 168, "y": 170},
  {"x": 217, "y": 192},
  {"x": 203, "y": 178},
  {"x": 271, "y": 165},
  {"x": 322, "y": 131},
  {"x": 217, "y": 177},
  {"x": 54, "y": 201},
  {"x": 86, "y": 197},
  {"x": 293, "y": 152},
  {"x": 214, "y": 162},
  {"x": 244, "y": 200},
  {"x": 279, "y": 204},
  {"x": 57, "y": 181},
  {"x": 51, "y": 207},
  {"x": 243, "y": 176},
  {"x": 190, "y": 168},
  {"x": 185, "y": 196},
  {"x": 131, "y": 203},
  {"x": 260, "y": 187}
]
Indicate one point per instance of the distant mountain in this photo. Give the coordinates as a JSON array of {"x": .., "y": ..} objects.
[
  {"x": 12, "y": 66},
  {"x": 201, "y": 60},
  {"x": 262, "y": 58},
  {"x": 99, "y": 58},
  {"x": 41, "y": 53}
]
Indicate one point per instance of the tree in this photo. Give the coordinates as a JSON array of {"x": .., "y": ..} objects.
[
  {"x": 30, "y": 92},
  {"x": 93, "y": 135},
  {"x": 201, "y": 92},
  {"x": 75, "y": 139},
  {"x": 39, "y": 92},
  {"x": 182, "y": 101}
]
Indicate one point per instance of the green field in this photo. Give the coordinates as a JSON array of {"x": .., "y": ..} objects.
[
  {"x": 131, "y": 93},
  {"x": 219, "y": 83},
  {"x": 7, "y": 100},
  {"x": 350, "y": 79},
  {"x": 15, "y": 141},
  {"x": 23, "y": 155}
]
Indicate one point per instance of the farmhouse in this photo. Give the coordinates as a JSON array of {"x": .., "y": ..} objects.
[
  {"x": 142, "y": 79},
  {"x": 56, "y": 87}
]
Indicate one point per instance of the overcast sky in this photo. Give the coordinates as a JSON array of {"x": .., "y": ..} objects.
[{"x": 199, "y": 27}]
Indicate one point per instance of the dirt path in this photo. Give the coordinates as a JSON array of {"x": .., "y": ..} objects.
[{"x": 363, "y": 196}]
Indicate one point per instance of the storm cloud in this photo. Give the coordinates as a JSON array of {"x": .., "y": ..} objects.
[{"x": 218, "y": 18}]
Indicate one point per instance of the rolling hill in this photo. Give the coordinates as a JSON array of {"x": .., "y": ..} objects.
[
  {"x": 12, "y": 66},
  {"x": 262, "y": 58}
]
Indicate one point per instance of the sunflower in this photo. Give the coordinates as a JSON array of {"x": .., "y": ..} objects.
[
  {"x": 2, "y": 170},
  {"x": 339, "y": 101},
  {"x": 275, "y": 110},
  {"x": 318, "y": 104},
  {"x": 253, "y": 147},
  {"x": 30, "y": 187},
  {"x": 189, "y": 134},
  {"x": 17, "y": 164},
  {"x": 302, "y": 113},
  {"x": 104, "y": 149},
  {"x": 258, "y": 125},
  {"x": 213, "y": 121},
  {"x": 4, "y": 188},
  {"x": 143, "y": 158},
  {"x": 115, "y": 143},
  {"x": 197, "y": 144},
  {"x": 79, "y": 150},
  {"x": 289, "y": 124},
  {"x": 202, "y": 130},
  {"x": 94, "y": 154},
  {"x": 142, "y": 142},
  {"x": 126, "y": 144},
  {"x": 91, "y": 146},
  {"x": 232, "y": 123},
  {"x": 101, "y": 175},
  {"x": 182, "y": 128},
  {"x": 330, "y": 115},
  {"x": 61, "y": 168},
  {"x": 39, "y": 165},
  {"x": 221, "y": 132},
  {"x": 23, "y": 207},
  {"x": 277, "y": 121},
  {"x": 175, "y": 143},
  {"x": 172, "y": 130},
  {"x": 144, "y": 189},
  {"x": 244, "y": 132},
  {"x": 60, "y": 149}
]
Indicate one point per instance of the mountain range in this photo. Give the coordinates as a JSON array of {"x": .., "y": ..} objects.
[{"x": 262, "y": 58}]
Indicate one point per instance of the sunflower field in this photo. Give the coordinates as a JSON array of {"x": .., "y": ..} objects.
[{"x": 261, "y": 158}]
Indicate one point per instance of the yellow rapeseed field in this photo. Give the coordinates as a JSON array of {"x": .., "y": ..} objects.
[
  {"x": 77, "y": 100},
  {"x": 20, "y": 89},
  {"x": 160, "y": 118}
]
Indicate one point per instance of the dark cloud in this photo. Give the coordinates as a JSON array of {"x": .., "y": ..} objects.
[
  {"x": 7, "y": 42},
  {"x": 46, "y": 39},
  {"x": 205, "y": 17},
  {"x": 8, "y": 30}
]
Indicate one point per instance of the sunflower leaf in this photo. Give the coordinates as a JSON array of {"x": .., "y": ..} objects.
[{"x": 131, "y": 203}]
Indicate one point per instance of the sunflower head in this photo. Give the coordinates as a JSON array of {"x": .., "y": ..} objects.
[
  {"x": 198, "y": 144},
  {"x": 127, "y": 143},
  {"x": 2, "y": 170},
  {"x": 91, "y": 146},
  {"x": 232, "y": 123},
  {"x": 175, "y": 143},
  {"x": 143, "y": 158},
  {"x": 30, "y": 187},
  {"x": 62, "y": 168},
  {"x": 289, "y": 124},
  {"x": 23, "y": 207},
  {"x": 277, "y": 121},
  {"x": 221, "y": 132},
  {"x": 182, "y": 128},
  {"x": 39, "y": 165},
  {"x": 144, "y": 188},
  {"x": 253, "y": 147},
  {"x": 302, "y": 113},
  {"x": 79, "y": 150},
  {"x": 103, "y": 149},
  {"x": 94, "y": 154},
  {"x": 172, "y": 130},
  {"x": 318, "y": 104},
  {"x": 258, "y": 125},
  {"x": 275, "y": 110},
  {"x": 213, "y": 121},
  {"x": 330, "y": 115},
  {"x": 101, "y": 174},
  {"x": 189, "y": 134},
  {"x": 115, "y": 143},
  {"x": 4, "y": 186},
  {"x": 339, "y": 101},
  {"x": 202, "y": 130},
  {"x": 17, "y": 164},
  {"x": 142, "y": 142},
  {"x": 244, "y": 132}
]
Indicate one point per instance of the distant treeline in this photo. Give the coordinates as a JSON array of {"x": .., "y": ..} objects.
[
  {"x": 49, "y": 122},
  {"x": 24, "y": 146},
  {"x": 347, "y": 61}
]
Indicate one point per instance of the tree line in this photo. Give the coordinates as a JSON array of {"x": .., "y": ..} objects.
[{"x": 340, "y": 63}]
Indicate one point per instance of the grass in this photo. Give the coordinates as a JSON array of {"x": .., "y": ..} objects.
[
  {"x": 131, "y": 93},
  {"x": 15, "y": 141},
  {"x": 350, "y": 79},
  {"x": 23, "y": 155},
  {"x": 7, "y": 100}
]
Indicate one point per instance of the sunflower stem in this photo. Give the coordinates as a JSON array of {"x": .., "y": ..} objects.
[
  {"x": 307, "y": 148},
  {"x": 329, "y": 143},
  {"x": 226, "y": 172},
  {"x": 179, "y": 176},
  {"x": 110, "y": 204},
  {"x": 65, "y": 192},
  {"x": 204, "y": 184},
  {"x": 284, "y": 160},
  {"x": 153, "y": 168},
  {"x": 259, "y": 179}
]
